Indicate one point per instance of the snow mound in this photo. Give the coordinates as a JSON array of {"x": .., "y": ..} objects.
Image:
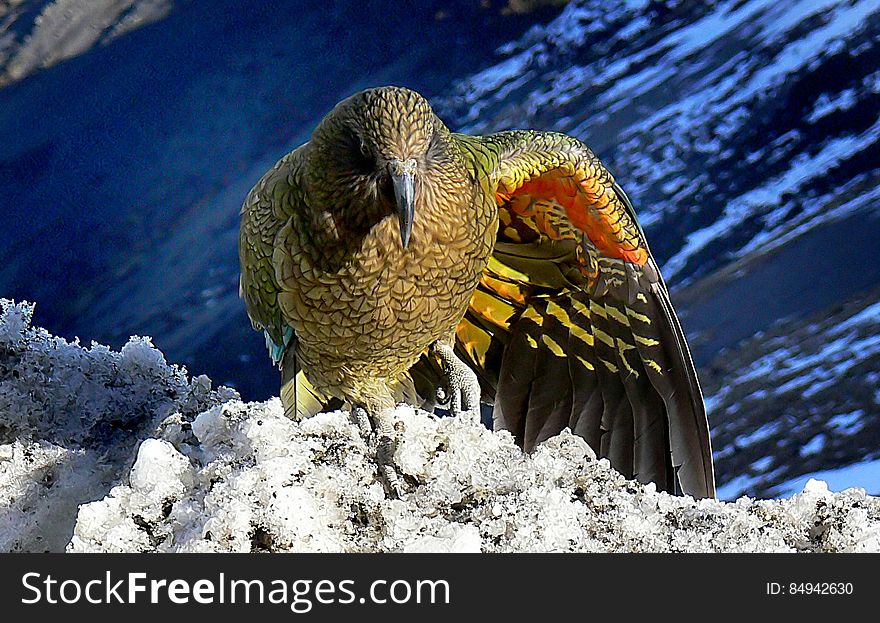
[
  {"x": 70, "y": 422},
  {"x": 192, "y": 470},
  {"x": 249, "y": 479}
]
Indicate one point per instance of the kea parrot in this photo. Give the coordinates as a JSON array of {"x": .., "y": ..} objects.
[{"x": 389, "y": 259}]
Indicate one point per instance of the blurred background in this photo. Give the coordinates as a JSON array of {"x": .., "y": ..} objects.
[{"x": 747, "y": 133}]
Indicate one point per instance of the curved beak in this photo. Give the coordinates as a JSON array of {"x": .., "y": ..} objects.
[{"x": 403, "y": 177}]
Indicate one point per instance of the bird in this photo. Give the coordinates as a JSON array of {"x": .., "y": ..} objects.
[{"x": 389, "y": 259}]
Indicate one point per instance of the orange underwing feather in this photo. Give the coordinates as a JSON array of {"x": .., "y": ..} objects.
[{"x": 590, "y": 208}]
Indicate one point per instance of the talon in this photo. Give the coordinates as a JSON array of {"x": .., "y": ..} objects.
[
  {"x": 382, "y": 435},
  {"x": 385, "y": 448},
  {"x": 362, "y": 419},
  {"x": 464, "y": 387}
]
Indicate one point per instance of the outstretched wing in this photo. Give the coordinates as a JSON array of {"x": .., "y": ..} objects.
[
  {"x": 572, "y": 325},
  {"x": 267, "y": 208}
]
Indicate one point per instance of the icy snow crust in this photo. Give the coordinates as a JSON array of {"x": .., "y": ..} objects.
[
  {"x": 118, "y": 451},
  {"x": 71, "y": 419}
]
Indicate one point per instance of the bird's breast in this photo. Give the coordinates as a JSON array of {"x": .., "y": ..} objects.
[{"x": 380, "y": 305}]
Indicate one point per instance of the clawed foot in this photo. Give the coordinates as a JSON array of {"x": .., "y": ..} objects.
[
  {"x": 382, "y": 442},
  {"x": 463, "y": 388},
  {"x": 385, "y": 448}
]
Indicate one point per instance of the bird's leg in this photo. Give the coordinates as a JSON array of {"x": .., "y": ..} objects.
[
  {"x": 386, "y": 444},
  {"x": 382, "y": 436},
  {"x": 362, "y": 419},
  {"x": 463, "y": 386}
]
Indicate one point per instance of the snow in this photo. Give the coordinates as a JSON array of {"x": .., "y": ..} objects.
[
  {"x": 71, "y": 419},
  {"x": 826, "y": 105},
  {"x": 764, "y": 432},
  {"x": 107, "y": 451},
  {"x": 802, "y": 169},
  {"x": 849, "y": 343},
  {"x": 865, "y": 475},
  {"x": 847, "y": 423},
  {"x": 67, "y": 28},
  {"x": 820, "y": 211},
  {"x": 311, "y": 486},
  {"x": 839, "y": 23},
  {"x": 814, "y": 445}
]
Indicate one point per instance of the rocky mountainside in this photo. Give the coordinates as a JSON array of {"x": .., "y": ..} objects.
[{"x": 747, "y": 132}]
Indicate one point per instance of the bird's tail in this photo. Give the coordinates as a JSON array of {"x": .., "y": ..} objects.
[{"x": 299, "y": 397}]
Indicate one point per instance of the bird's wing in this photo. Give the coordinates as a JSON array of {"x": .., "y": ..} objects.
[
  {"x": 572, "y": 323},
  {"x": 266, "y": 210}
]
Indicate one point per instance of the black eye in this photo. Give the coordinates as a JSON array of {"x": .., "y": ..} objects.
[
  {"x": 362, "y": 158},
  {"x": 386, "y": 189}
]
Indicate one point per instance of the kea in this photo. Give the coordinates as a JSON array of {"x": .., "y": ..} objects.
[{"x": 389, "y": 259}]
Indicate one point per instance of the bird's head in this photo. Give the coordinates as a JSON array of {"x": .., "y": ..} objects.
[{"x": 373, "y": 152}]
